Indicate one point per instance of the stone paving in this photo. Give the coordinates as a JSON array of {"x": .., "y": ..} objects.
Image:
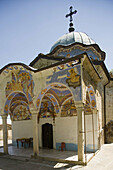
[
  {"x": 45, "y": 153},
  {"x": 7, "y": 163},
  {"x": 102, "y": 161}
]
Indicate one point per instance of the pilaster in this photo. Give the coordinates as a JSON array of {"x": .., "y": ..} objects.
[
  {"x": 35, "y": 133},
  {"x": 5, "y": 134},
  {"x": 54, "y": 135},
  {"x": 80, "y": 121}
]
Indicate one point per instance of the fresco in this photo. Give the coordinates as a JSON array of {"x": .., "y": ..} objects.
[
  {"x": 68, "y": 108},
  {"x": 21, "y": 112},
  {"x": 52, "y": 98},
  {"x": 74, "y": 79},
  {"x": 87, "y": 106},
  {"x": 77, "y": 50},
  {"x": 21, "y": 80},
  {"x": 91, "y": 96},
  {"x": 69, "y": 76},
  {"x": 90, "y": 100},
  {"x": 63, "y": 89},
  {"x": 19, "y": 93},
  {"x": 47, "y": 108},
  {"x": 56, "y": 100}
]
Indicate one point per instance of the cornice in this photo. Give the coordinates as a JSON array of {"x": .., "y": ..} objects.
[{"x": 94, "y": 47}]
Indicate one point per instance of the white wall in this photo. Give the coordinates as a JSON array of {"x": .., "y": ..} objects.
[
  {"x": 89, "y": 131},
  {"x": 66, "y": 130},
  {"x": 21, "y": 129}
]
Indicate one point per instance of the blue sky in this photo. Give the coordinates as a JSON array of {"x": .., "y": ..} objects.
[{"x": 30, "y": 27}]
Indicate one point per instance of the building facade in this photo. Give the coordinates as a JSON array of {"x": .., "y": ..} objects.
[{"x": 63, "y": 96}]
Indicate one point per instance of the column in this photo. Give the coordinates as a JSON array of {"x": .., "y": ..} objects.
[
  {"x": 80, "y": 116},
  {"x": 5, "y": 135},
  {"x": 35, "y": 133},
  {"x": 54, "y": 136}
]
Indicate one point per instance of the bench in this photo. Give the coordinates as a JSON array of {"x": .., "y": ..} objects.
[{"x": 24, "y": 141}]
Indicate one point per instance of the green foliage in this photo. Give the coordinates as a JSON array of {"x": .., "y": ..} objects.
[{"x": 111, "y": 71}]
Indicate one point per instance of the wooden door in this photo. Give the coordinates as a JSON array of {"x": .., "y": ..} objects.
[{"x": 47, "y": 135}]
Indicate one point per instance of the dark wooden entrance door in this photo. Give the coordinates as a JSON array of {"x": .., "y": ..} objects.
[{"x": 47, "y": 135}]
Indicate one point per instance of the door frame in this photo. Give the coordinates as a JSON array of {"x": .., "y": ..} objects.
[
  {"x": 44, "y": 121},
  {"x": 47, "y": 135}
]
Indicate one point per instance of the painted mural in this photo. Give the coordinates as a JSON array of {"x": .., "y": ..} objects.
[
  {"x": 76, "y": 50},
  {"x": 21, "y": 112},
  {"x": 90, "y": 100},
  {"x": 56, "y": 100},
  {"x": 19, "y": 93},
  {"x": 21, "y": 80},
  {"x": 47, "y": 108},
  {"x": 68, "y": 74},
  {"x": 68, "y": 108},
  {"x": 91, "y": 96},
  {"x": 74, "y": 79},
  {"x": 63, "y": 88}
]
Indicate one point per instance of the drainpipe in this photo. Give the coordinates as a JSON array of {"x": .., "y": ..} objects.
[{"x": 105, "y": 110}]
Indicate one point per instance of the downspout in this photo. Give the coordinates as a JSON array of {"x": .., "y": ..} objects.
[{"x": 105, "y": 110}]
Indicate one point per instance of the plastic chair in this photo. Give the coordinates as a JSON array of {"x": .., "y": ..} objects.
[{"x": 62, "y": 147}]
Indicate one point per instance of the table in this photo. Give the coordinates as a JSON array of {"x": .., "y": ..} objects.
[{"x": 23, "y": 141}]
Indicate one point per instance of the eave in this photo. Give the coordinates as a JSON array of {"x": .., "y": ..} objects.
[
  {"x": 101, "y": 63},
  {"x": 95, "y": 46},
  {"x": 49, "y": 57},
  {"x": 89, "y": 66}
]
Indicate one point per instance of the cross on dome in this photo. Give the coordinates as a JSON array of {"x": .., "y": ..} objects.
[{"x": 71, "y": 29}]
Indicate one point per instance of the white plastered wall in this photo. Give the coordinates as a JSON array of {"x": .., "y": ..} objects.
[
  {"x": 91, "y": 124},
  {"x": 22, "y": 129},
  {"x": 66, "y": 130}
]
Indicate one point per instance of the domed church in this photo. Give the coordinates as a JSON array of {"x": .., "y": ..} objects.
[{"x": 61, "y": 97}]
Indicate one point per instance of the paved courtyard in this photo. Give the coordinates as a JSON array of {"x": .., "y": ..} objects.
[
  {"x": 50, "y": 154},
  {"x": 102, "y": 161}
]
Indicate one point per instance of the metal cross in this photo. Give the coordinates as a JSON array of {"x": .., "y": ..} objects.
[{"x": 71, "y": 13}]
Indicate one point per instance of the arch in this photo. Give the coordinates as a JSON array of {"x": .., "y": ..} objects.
[
  {"x": 54, "y": 101},
  {"x": 65, "y": 102},
  {"x": 45, "y": 90},
  {"x": 68, "y": 108},
  {"x": 39, "y": 99},
  {"x": 17, "y": 100},
  {"x": 58, "y": 94},
  {"x": 20, "y": 80}
]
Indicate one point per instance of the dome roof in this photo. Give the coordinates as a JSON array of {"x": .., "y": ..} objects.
[{"x": 73, "y": 37}]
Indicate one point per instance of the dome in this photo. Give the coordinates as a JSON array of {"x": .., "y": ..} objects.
[{"x": 72, "y": 37}]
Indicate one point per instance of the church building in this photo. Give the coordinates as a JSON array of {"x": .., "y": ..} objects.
[{"x": 63, "y": 96}]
